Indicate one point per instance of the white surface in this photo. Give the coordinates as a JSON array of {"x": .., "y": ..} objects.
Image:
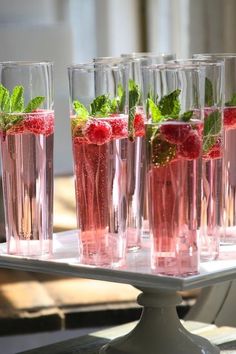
[{"x": 137, "y": 272}]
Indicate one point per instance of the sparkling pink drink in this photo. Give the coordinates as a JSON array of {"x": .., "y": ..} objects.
[
  {"x": 27, "y": 166},
  {"x": 230, "y": 176},
  {"x": 100, "y": 165},
  {"x": 135, "y": 182},
  {"x": 174, "y": 183},
  {"x": 212, "y": 189}
]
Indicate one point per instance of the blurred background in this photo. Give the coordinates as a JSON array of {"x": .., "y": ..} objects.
[{"x": 73, "y": 31}]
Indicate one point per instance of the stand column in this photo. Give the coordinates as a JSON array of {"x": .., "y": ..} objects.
[{"x": 159, "y": 330}]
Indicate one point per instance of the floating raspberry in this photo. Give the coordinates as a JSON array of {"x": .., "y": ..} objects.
[
  {"x": 139, "y": 126},
  {"x": 119, "y": 126},
  {"x": 190, "y": 149},
  {"x": 78, "y": 140},
  {"x": 215, "y": 152},
  {"x": 230, "y": 117},
  {"x": 98, "y": 132},
  {"x": 40, "y": 122},
  {"x": 17, "y": 129},
  {"x": 175, "y": 133}
]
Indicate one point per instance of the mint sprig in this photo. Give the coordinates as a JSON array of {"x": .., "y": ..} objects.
[
  {"x": 170, "y": 104},
  {"x": 208, "y": 93},
  {"x": 11, "y": 103},
  {"x": 211, "y": 131},
  {"x": 134, "y": 97},
  {"x": 232, "y": 101},
  {"x": 80, "y": 110}
]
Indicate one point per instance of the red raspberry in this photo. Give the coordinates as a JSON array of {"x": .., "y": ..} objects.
[
  {"x": 119, "y": 126},
  {"x": 230, "y": 117},
  {"x": 78, "y": 140},
  {"x": 190, "y": 149},
  {"x": 17, "y": 129},
  {"x": 215, "y": 152},
  {"x": 98, "y": 132},
  {"x": 40, "y": 123},
  {"x": 139, "y": 126},
  {"x": 175, "y": 133}
]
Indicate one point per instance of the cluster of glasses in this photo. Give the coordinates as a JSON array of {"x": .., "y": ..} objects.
[{"x": 153, "y": 146}]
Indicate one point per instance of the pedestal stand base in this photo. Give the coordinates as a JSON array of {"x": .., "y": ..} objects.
[{"x": 159, "y": 330}]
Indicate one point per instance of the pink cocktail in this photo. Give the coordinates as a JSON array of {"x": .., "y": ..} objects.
[
  {"x": 136, "y": 185},
  {"x": 212, "y": 188},
  {"x": 230, "y": 175},
  {"x": 100, "y": 165},
  {"x": 174, "y": 181},
  {"x": 27, "y": 167}
]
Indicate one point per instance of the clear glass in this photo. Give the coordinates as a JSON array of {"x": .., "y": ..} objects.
[
  {"x": 100, "y": 163},
  {"x": 212, "y": 227},
  {"x": 229, "y": 159},
  {"x": 135, "y": 175},
  {"x": 27, "y": 157},
  {"x": 137, "y": 61},
  {"x": 174, "y": 165}
]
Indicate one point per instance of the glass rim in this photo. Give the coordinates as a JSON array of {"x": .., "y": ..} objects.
[
  {"x": 198, "y": 62},
  {"x": 143, "y": 55},
  {"x": 172, "y": 121},
  {"x": 215, "y": 55},
  {"x": 95, "y": 66},
  {"x": 173, "y": 67},
  {"x": 12, "y": 63},
  {"x": 41, "y": 112},
  {"x": 109, "y": 60}
]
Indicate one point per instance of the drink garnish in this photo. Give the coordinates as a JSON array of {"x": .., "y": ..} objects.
[
  {"x": 14, "y": 103},
  {"x": 211, "y": 131},
  {"x": 172, "y": 140},
  {"x": 208, "y": 93},
  {"x": 134, "y": 97}
]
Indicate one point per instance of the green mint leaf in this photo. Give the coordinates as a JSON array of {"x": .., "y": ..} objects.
[
  {"x": 113, "y": 105},
  {"x": 152, "y": 97},
  {"x": 186, "y": 116},
  {"x": 134, "y": 97},
  {"x": 208, "y": 93},
  {"x": 162, "y": 152},
  {"x": 211, "y": 131},
  {"x": 101, "y": 106},
  {"x": 34, "y": 104},
  {"x": 154, "y": 111},
  {"x": 4, "y": 99},
  {"x": 120, "y": 98},
  {"x": 17, "y": 99},
  {"x": 169, "y": 105},
  {"x": 232, "y": 101},
  {"x": 80, "y": 110}
]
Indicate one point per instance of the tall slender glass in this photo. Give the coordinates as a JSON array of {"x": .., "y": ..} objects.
[
  {"x": 27, "y": 127},
  {"x": 99, "y": 125},
  {"x": 212, "y": 226},
  {"x": 174, "y": 147},
  {"x": 229, "y": 160},
  {"x": 138, "y": 212}
]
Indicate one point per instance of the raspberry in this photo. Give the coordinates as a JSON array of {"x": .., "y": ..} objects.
[
  {"x": 215, "y": 152},
  {"x": 78, "y": 140},
  {"x": 175, "y": 133},
  {"x": 230, "y": 117},
  {"x": 98, "y": 132},
  {"x": 139, "y": 126},
  {"x": 17, "y": 129},
  {"x": 190, "y": 149},
  {"x": 119, "y": 126},
  {"x": 40, "y": 123}
]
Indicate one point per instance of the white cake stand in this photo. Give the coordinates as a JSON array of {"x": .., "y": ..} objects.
[{"x": 159, "y": 330}]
